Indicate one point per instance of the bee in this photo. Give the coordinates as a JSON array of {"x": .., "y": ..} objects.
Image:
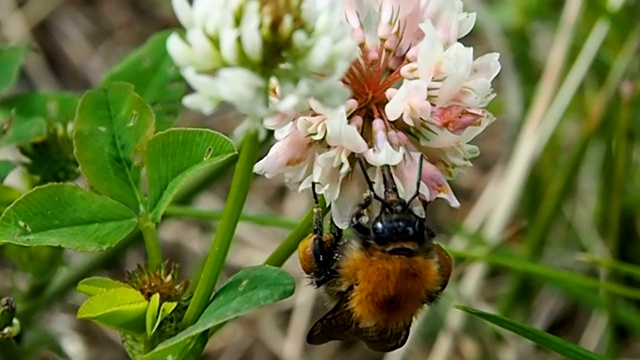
[{"x": 380, "y": 280}]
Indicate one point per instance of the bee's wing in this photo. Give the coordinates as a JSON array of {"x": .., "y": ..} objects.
[
  {"x": 337, "y": 324},
  {"x": 383, "y": 340}
]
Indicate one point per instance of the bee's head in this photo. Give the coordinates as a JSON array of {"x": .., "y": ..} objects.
[{"x": 397, "y": 230}]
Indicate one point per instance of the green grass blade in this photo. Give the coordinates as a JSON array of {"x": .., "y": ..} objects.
[
  {"x": 543, "y": 339},
  {"x": 554, "y": 276},
  {"x": 620, "y": 266}
]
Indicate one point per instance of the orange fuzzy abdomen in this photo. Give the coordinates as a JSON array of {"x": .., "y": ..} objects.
[{"x": 388, "y": 289}]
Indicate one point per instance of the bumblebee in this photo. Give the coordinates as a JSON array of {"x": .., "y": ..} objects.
[{"x": 380, "y": 280}]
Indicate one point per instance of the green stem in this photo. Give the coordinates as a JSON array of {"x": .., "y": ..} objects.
[
  {"x": 289, "y": 245},
  {"x": 224, "y": 235},
  {"x": 9, "y": 350},
  {"x": 264, "y": 220},
  {"x": 151, "y": 242}
]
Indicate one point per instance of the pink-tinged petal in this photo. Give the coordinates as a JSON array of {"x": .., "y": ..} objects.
[
  {"x": 411, "y": 15},
  {"x": 382, "y": 153},
  {"x": 406, "y": 175},
  {"x": 476, "y": 94},
  {"x": 395, "y": 106},
  {"x": 313, "y": 126},
  {"x": 430, "y": 49},
  {"x": 298, "y": 175},
  {"x": 486, "y": 66},
  {"x": 437, "y": 137},
  {"x": 466, "y": 21},
  {"x": 327, "y": 176},
  {"x": 456, "y": 62},
  {"x": 284, "y": 131},
  {"x": 350, "y": 106},
  {"x": 459, "y": 156},
  {"x": 472, "y": 131},
  {"x": 411, "y": 70},
  {"x": 341, "y": 133},
  {"x": 456, "y": 118},
  {"x": 351, "y": 13},
  {"x": 419, "y": 107},
  {"x": 288, "y": 103},
  {"x": 476, "y": 91},
  {"x": 306, "y": 183},
  {"x": 444, "y": 15},
  {"x": 352, "y": 190},
  {"x": 406, "y": 188},
  {"x": 293, "y": 151},
  {"x": 438, "y": 186},
  {"x": 357, "y": 121},
  {"x": 411, "y": 100},
  {"x": 278, "y": 120}
]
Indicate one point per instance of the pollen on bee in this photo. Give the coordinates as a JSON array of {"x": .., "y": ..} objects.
[{"x": 305, "y": 254}]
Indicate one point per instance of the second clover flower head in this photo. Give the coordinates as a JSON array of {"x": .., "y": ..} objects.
[
  {"x": 243, "y": 51},
  {"x": 417, "y": 95}
]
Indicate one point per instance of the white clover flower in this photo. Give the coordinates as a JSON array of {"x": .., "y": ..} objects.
[
  {"x": 417, "y": 95},
  {"x": 238, "y": 51}
]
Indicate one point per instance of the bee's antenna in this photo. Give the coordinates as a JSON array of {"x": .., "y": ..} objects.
[
  {"x": 417, "y": 193},
  {"x": 370, "y": 183}
]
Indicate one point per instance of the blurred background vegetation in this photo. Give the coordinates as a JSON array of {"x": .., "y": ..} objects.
[{"x": 548, "y": 232}]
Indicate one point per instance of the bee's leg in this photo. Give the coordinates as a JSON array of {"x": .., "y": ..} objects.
[
  {"x": 429, "y": 230},
  {"x": 312, "y": 249},
  {"x": 332, "y": 248},
  {"x": 325, "y": 246},
  {"x": 356, "y": 223}
]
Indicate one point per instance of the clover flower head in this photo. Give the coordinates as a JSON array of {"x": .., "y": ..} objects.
[
  {"x": 239, "y": 51},
  {"x": 417, "y": 96}
]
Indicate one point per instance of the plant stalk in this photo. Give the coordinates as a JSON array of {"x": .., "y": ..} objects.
[
  {"x": 151, "y": 242},
  {"x": 208, "y": 278}
]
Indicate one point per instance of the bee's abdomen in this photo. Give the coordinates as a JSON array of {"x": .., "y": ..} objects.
[{"x": 388, "y": 290}]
